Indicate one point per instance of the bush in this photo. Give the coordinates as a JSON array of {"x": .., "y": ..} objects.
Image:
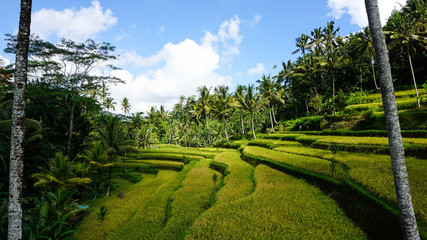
[{"x": 307, "y": 124}]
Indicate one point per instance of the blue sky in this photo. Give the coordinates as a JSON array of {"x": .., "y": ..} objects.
[{"x": 168, "y": 48}]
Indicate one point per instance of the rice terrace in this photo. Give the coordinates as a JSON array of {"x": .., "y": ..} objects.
[{"x": 191, "y": 141}]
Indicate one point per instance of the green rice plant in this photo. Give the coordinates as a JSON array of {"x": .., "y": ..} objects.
[
  {"x": 155, "y": 163},
  {"x": 335, "y": 148},
  {"x": 312, "y": 164},
  {"x": 377, "y": 106},
  {"x": 373, "y": 171},
  {"x": 281, "y": 207},
  {"x": 239, "y": 182},
  {"x": 121, "y": 209},
  {"x": 189, "y": 201},
  {"x": 366, "y": 140},
  {"x": 149, "y": 219}
]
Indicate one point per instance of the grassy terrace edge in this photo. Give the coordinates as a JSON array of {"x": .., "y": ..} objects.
[{"x": 377, "y": 218}]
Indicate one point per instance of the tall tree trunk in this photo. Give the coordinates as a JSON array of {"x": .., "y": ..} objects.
[
  {"x": 71, "y": 126},
  {"x": 242, "y": 123},
  {"x": 333, "y": 84},
  {"x": 195, "y": 134},
  {"x": 18, "y": 124},
  {"x": 209, "y": 132},
  {"x": 109, "y": 180},
  {"x": 252, "y": 123},
  {"x": 274, "y": 115},
  {"x": 404, "y": 202},
  {"x": 98, "y": 184},
  {"x": 225, "y": 129},
  {"x": 361, "y": 78},
  {"x": 373, "y": 73},
  {"x": 413, "y": 77},
  {"x": 271, "y": 118}
]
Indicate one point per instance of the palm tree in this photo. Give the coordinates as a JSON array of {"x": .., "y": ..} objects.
[
  {"x": 110, "y": 132},
  {"x": 136, "y": 124},
  {"x": 253, "y": 102},
  {"x": 204, "y": 108},
  {"x": 240, "y": 91},
  {"x": 285, "y": 73},
  {"x": 223, "y": 110},
  {"x": 126, "y": 105},
  {"x": 365, "y": 46},
  {"x": 18, "y": 124},
  {"x": 267, "y": 88},
  {"x": 97, "y": 157},
  {"x": 406, "y": 34},
  {"x": 148, "y": 135},
  {"x": 302, "y": 44},
  {"x": 59, "y": 174},
  {"x": 403, "y": 193},
  {"x": 109, "y": 103}
]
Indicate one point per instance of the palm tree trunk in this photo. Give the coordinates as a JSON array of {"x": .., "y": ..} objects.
[
  {"x": 109, "y": 180},
  {"x": 18, "y": 124},
  {"x": 413, "y": 77},
  {"x": 333, "y": 84},
  {"x": 195, "y": 134},
  {"x": 361, "y": 78},
  {"x": 271, "y": 118},
  {"x": 252, "y": 123},
  {"x": 241, "y": 121},
  {"x": 71, "y": 126},
  {"x": 98, "y": 184},
  {"x": 225, "y": 129},
  {"x": 404, "y": 202},
  {"x": 373, "y": 73},
  {"x": 274, "y": 115},
  {"x": 209, "y": 132}
]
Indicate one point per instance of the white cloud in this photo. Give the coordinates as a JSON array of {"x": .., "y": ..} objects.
[
  {"x": 256, "y": 20},
  {"x": 187, "y": 65},
  {"x": 4, "y": 61},
  {"x": 258, "y": 69},
  {"x": 356, "y": 9},
  {"x": 227, "y": 40},
  {"x": 77, "y": 25},
  {"x": 161, "y": 29},
  {"x": 177, "y": 69}
]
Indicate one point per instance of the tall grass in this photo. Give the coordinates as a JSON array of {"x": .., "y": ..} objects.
[{"x": 281, "y": 207}]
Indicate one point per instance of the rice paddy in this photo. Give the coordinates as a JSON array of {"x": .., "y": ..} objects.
[{"x": 254, "y": 202}]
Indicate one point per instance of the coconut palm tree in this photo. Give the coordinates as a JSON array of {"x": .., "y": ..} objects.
[
  {"x": 18, "y": 124},
  {"x": 109, "y": 103},
  {"x": 302, "y": 44},
  {"x": 403, "y": 193},
  {"x": 252, "y": 102},
  {"x": 240, "y": 91},
  {"x": 110, "y": 131},
  {"x": 204, "y": 107},
  {"x": 223, "y": 109},
  {"x": 405, "y": 33},
  {"x": 365, "y": 46},
  {"x": 267, "y": 88},
  {"x": 97, "y": 157},
  {"x": 126, "y": 105},
  {"x": 59, "y": 174}
]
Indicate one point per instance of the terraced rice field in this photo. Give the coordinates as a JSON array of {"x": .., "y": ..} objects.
[{"x": 256, "y": 202}]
